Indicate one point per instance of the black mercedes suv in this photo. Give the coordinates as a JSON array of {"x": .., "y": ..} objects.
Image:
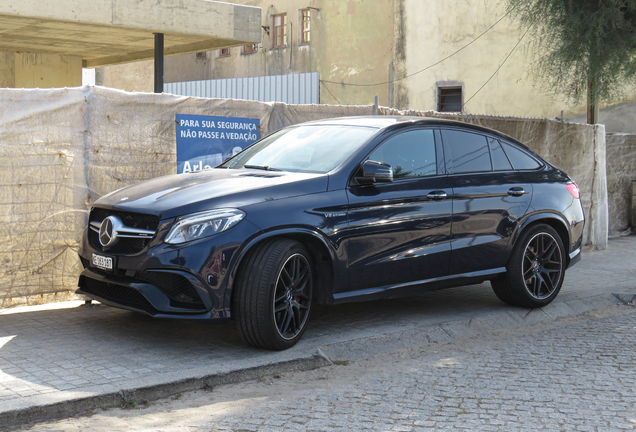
[{"x": 333, "y": 211}]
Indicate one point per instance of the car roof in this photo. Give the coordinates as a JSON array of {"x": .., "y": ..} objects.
[
  {"x": 389, "y": 122},
  {"x": 381, "y": 122},
  {"x": 377, "y": 122}
]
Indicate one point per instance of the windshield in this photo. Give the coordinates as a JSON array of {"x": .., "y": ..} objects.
[{"x": 318, "y": 148}]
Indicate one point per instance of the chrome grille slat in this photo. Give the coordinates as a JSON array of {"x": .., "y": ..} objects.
[{"x": 134, "y": 236}]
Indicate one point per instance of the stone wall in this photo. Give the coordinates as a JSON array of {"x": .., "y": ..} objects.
[{"x": 621, "y": 170}]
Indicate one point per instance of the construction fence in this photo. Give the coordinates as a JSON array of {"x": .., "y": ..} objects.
[{"x": 61, "y": 149}]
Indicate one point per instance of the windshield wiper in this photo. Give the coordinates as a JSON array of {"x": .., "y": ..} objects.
[{"x": 262, "y": 167}]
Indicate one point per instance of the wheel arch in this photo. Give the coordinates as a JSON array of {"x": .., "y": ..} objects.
[
  {"x": 553, "y": 220},
  {"x": 322, "y": 254}
]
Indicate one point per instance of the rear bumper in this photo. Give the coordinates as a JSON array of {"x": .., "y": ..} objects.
[{"x": 575, "y": 257}]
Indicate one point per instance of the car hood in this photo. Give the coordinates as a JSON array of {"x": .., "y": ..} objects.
[{"x": 180, "y": 194}]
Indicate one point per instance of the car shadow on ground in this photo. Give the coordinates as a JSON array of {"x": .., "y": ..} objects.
[{"x": 74, "y": 349}]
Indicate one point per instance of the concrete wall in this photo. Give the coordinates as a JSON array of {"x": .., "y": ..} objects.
[
  {"x": 436, "y": 29},
  {"x": 621, "y": 171},
  {"x": 7, "y": 69},
  {"x": 89, "y": 141},
  {"x": 294, "y": 58},
  {"x": 132, "y": 77},
  {"x": 351, "y": 42},
  {"x": 38, "y": 70},
  {"x": 108, "y": 32},
  {"x": 360, "y": 41},
  {"x": 355, "y": 44}
]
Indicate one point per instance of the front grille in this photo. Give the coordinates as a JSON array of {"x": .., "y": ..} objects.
[
  {"x": 133, "y": 220},
  {"x": 125, "y": 246},
  {"x": 115, "y": 293},
  {"x": 177, "y": 287}
]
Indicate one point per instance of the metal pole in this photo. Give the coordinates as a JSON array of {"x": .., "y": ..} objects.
[
  {"x": 158, "y": 62},
  {"x": 376, "y": 106}
]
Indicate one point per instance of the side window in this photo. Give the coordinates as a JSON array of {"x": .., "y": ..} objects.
[
  {"x": 410, "y": 154},
  {"x": 520, "y": 159},
  {"x": 466, "y": 152},
  {"x": 499, "y": 159}
]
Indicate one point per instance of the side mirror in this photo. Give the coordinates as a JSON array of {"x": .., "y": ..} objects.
[{"x": 374, "y": 172}]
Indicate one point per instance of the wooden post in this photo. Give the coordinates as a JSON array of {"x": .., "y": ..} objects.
[
  {"x": 633, "y": 212},
  {"x": 592, "y": 103}
]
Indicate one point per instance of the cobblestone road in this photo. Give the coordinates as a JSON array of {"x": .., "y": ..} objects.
[{"x": 576, "y": 374}]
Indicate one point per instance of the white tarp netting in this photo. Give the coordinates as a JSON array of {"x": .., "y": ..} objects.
[
  {"x": 42, "y": 190},
  {"x": 61, "y": 149}
]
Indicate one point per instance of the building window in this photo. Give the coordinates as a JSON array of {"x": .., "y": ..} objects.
[
  {"x": 251, "y": 48},
  {"x": 305, "y": 26},
  {"x": 224, "y": 52},
  {"x": 280, "y": 30},
  {"x": 201, "y": 55},
  {"x": 449, "y": 99}
]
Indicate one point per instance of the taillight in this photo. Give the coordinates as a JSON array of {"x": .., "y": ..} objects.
[{"x": 574, "y": 189}]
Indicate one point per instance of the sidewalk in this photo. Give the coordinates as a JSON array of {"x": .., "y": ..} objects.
[{"x": 58, "y": 362}]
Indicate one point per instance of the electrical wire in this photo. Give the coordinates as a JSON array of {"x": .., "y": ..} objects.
[
  {"x": 327, "y": 88},
  {"x": 427, "y": 67},
  {"x": 500, "y": 66}
]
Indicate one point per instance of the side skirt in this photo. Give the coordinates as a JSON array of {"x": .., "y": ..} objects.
[{"x": 417, "y": 287}]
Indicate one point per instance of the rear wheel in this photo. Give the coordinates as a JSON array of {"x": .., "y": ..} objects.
[
  {"x": 273, "y": 296},
  {"x": 535, "y": 271}
]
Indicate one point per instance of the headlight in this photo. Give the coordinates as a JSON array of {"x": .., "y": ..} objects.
[{"x": 204, "y": 224}]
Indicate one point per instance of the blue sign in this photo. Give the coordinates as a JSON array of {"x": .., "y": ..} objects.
[{"x": 205, "y": 141}]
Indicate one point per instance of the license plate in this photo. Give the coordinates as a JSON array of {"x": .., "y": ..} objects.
[{"x": 103, "y": 262}]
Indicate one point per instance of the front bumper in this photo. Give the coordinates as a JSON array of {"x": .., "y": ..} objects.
[
  {"x": 186, "y": 281},
  {"x": 161, "y": 300}
]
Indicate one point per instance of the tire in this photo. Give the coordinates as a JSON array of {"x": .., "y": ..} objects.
[
  {"x": 535, "y": 271},
  {"x": 273, "y": 294}
]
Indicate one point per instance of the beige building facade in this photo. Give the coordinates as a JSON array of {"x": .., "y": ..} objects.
[
  {"x": 46, "y": 43},
  {"x": 451, "y": 55}
]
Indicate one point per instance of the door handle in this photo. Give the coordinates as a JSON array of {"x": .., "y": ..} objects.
[
  {"x": 516, "y": 191},
  {"x": 436, "y": 195}
]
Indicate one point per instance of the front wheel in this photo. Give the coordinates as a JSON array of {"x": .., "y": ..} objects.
[
  {"x": 535, "y": 271},
  {"x": 274, "y": 290}
]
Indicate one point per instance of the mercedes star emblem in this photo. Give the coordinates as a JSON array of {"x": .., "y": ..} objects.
[{"x": 108, "y": 231}]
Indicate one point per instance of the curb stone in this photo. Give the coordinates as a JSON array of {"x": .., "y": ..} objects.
[
  {"x": 84, "y": 405},
  {"x": 325, "y": 355},
  {"x": 626, "y": 298}
]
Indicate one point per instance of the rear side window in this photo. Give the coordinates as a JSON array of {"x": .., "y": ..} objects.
[
  {"x": 499, "y": 159},
  {"x": 520, "y": 159},
  {"x": 410, "y": 154},
  {"x": 466, "y": 152}
]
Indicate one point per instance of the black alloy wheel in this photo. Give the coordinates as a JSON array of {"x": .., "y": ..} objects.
[
  {"x": 542, "y": 265},
  {"x": 535, "y": 271},
  {"x": 292, "y": 297},
  {"x": 273, "y": 293}
]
